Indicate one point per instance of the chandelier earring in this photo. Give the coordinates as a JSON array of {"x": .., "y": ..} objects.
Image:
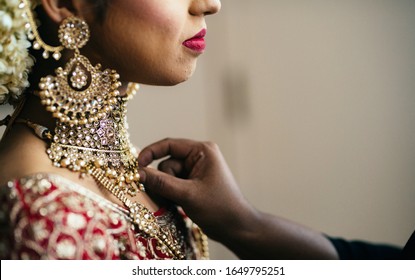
[
  {"x": 79, "y": 93},
  {"x": 90, "y": 136}
]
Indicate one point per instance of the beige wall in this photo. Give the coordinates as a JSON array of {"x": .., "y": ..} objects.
[
  {"x": 312, "y": 104},
  {"x": 318, "y": 121}
]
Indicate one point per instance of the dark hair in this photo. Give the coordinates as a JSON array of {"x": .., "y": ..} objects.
[{"x": 100, "y": 7}]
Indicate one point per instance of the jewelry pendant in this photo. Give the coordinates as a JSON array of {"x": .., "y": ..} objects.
[{"x": 79, "y": 93}]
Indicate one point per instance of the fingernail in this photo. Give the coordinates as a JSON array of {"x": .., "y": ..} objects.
[
  {"x": 142, "y": 174},
  {"x": 142, "y": 161}
]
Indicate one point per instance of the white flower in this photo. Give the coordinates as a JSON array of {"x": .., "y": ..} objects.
[
  {"x": 13, "y": 3},
  {"x": 3, "y": 90},
  {"x": 3, "y": 66},
  {"x": 5, "y": 22},
  {"x": 15, "y": 62}
]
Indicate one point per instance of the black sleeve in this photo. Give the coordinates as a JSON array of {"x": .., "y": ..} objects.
[
  {"x": 409, "y": 249},
  {"x": 360, "y": 250}
]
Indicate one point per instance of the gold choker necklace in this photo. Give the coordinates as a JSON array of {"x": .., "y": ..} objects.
[
  {"x": 102, "y": 150},
  {"x": 101, "y": 146},
  {"x": 91, "y": 134}
]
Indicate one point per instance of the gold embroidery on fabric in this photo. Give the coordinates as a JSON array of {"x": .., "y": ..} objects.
[{"x": 105, "y": 227}]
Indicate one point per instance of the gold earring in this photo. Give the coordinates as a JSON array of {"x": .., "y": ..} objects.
[
  {"x": 33, "y": 34},
  {"x": 79, "y": 93}
]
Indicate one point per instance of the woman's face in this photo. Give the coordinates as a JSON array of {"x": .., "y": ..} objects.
[{"x": 150, "y": 41}]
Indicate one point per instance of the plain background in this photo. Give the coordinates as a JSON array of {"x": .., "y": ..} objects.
[{"x": 312, "y": 104}]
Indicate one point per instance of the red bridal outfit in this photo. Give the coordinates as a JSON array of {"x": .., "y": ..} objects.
[{"x": 46, "y": 216}]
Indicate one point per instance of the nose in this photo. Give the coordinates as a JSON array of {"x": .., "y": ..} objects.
[{"x": 205, "y": 7}]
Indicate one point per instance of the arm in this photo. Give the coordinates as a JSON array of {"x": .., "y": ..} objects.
[{"x": 196, "y": 177}]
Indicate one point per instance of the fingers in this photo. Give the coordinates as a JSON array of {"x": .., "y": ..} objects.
[
  {"x": 176, "y": 148},
  {"x": 172, "y": 188},
  {"x": 173, "y": 167}
]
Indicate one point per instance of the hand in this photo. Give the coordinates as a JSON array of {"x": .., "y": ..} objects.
[
  {"x": 203, "y": 185},
  {"x": 195, "y": 176}
]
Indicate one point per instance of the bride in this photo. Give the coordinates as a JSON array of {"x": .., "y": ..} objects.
[{"x": 69, "y": 174}]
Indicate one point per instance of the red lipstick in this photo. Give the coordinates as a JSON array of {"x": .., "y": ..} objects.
[{"x": 196, "y": 43}]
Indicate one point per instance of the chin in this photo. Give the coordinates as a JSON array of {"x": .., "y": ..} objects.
[
  {"x": 167, "y": 77},
  {"x": 174, "y": 82},
  {"x": 178, "y": 77}
]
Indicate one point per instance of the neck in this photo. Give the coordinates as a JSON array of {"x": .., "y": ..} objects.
[
  {"x": 107, "y": 134},
  {"x": 103, "y": 144},
  {"x": 34, "y": 111}
]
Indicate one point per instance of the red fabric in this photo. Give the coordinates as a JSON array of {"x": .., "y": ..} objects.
[{"x": 48, "y": 219}]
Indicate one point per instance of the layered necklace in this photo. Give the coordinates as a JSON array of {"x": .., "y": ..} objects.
[
  {"x": 91, "y": 136},
  {"x": 102, "y": 150}
]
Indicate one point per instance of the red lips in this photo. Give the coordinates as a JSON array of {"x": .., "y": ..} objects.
[{"x": 196, "y": 43}]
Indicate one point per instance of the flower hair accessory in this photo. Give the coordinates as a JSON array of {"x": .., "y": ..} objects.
[{"x": 15, "y": 61}]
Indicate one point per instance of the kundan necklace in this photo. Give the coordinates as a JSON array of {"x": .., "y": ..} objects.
[
  {"x": 102, "y": 150},
  {"x": 91, "y": 134}
]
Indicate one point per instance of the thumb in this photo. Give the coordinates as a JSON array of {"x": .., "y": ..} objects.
[{"x": 165, "y": 185}]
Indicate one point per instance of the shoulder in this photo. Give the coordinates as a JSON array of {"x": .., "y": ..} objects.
[{"x": 22, "y": 154}]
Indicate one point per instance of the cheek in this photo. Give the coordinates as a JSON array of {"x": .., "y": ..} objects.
[
  {"x": 143, "y": 42},
  {"x": 149, "y": 19}
]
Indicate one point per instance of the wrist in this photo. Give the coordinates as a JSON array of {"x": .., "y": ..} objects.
[{"x": 242, "y": 229}]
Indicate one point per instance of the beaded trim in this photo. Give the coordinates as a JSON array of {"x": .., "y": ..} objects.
[{"x": 93, "y": 162}]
